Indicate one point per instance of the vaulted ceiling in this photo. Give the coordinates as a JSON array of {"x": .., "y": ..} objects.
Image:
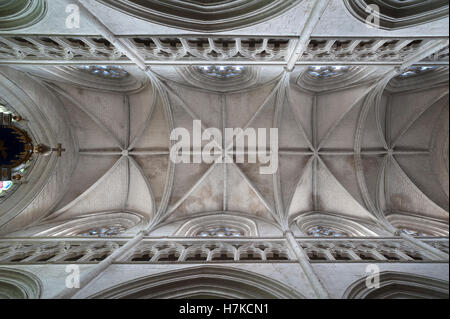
[
  {"x": 340, "y": 154},
  {"x": 363, "y": 139}
]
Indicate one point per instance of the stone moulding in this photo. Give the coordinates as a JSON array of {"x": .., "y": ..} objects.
[
  {"x": 19, "y": 284},
  {"x": 210, "y": 281},
  {"x": 430, "y": 226},
  {"x": 397, "y": 14},
  {"x": 134, "y": 82},
  {"x": 399, "y": 284},
  {"x": 198, "y": 16},
  {"x": 355, "y": 76},
  {"x": 19, "y": 14},
  {"x": 80, "y": 224},
  {"x": 426, "y": 80}
]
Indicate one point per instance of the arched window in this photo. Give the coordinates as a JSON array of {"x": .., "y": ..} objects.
[
  {"x": 419, "y": 226},
  {"x": 324, "y": 231},
  {"x": 105, "y": 71},
  {"x": 104, "y": 231},
  {"x": 416, "y": 70},
  {"x": 218, "y": 225},
  {"x": 221, "y": 231},
  {"x": 221, "y": 72},
  {"x": 327, "y": 71},
  {"x": 414, "y": 233},
  {"x": 327, "y": 224},
  {"x": 94, "y": 224}
]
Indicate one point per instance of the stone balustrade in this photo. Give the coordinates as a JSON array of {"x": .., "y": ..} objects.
[
  {"x": 200, "y": 250},
  {"x": 80, "y": 49}
]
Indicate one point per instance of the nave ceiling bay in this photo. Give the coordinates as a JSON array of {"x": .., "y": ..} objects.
[{"x": 353, "y": 152}]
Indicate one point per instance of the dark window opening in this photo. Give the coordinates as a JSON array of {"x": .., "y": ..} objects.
[
  {"x": 170, "y": 257},
  {"x": 250, "y": 256},
  {"x": 223, "y": 257},
  {"x": 145, "y": 257}
]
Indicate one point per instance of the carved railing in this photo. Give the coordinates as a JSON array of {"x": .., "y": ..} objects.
[
  {"x": 186, "y": 49},
  {"x": 441, "y": 55},
  {"x": 365, "y": 50},
  {"x": 441, "y": 243},
  {"x": 87, "y": 250},
  {"x": 151, "y": 48},
  {"x": 57, "y": 251},
  {"x": 365, "y": 250},
  {"x": 37, "y": 48},
  {"x": 210, "y": 250},
  {"x": 212, "y": 49}
]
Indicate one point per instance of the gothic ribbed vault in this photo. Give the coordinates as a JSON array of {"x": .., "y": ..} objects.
[
  {"x": 339, "y": 153},
  {"x": 361, "y": 163}
]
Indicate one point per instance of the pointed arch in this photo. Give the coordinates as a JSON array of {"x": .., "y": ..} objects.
[
  {"x": 352, "y": 226},
  {"x": 19, "y": 284},
  {"x": 398, "y": 285},
  {"x": 201, "y": 282}
]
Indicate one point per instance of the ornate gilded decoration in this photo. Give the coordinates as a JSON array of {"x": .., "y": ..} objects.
[
  {"x": 16, "y": 146},
  {"x": 16, "y": 150},
  {"x": 45, "y": 150}
]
